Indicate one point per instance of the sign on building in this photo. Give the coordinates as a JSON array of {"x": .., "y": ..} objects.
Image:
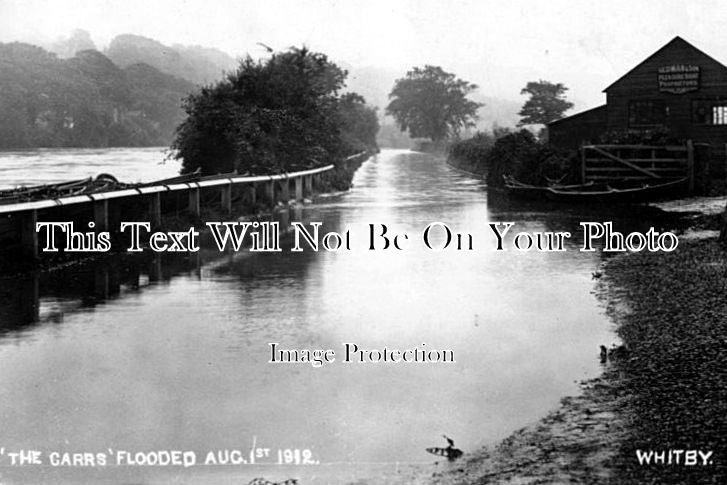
[{"x": 678, "y": 78}]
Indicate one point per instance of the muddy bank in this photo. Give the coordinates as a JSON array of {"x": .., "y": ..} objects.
[
  {"x": 577, "y": 443},
  {"x": 667, "y": 391},
  {"x": 676, "y": 371}
]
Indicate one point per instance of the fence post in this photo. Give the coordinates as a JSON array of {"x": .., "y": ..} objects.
[
  {"x": 298, "y": 188},
  {"x": 583, "y": 164},
  {"x": 155, "y": 209},
  {"x": 252, "y": 191},
  {"x": 226, "y": 198},
  {"x": 285, "y": 189},
  {"x": 101, "y": 214},
  {"x": 28, "y": 234},
  {"x": 690, "y": 165},
  {"x": 193, "y": 205},
  {"x": 270, "y": 191}
]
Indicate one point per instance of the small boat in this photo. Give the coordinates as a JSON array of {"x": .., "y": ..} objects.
[
  {"x": 528, "y": 191},
  {"x": 643, "y": 193},
  {"x": 593, "y": 192},
  {"x": 450, "y": 453}
]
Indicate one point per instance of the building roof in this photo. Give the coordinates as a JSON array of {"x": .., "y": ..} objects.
[
  {"x": 675, "y": 42},
  {"x": 578, "y": 115}
]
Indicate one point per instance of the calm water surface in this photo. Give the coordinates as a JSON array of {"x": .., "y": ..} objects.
[{"x": 145, "y": 355}]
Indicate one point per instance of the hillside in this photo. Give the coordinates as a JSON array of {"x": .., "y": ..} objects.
[
  {"x": 84, "y": 101},
  {"x": 196, "y": 64}
]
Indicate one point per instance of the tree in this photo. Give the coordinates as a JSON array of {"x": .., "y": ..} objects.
[
  {"x": 431, "y": 103},
  {"x": 274, "y": 115},
  {"x": 547, "y": 103},
  {"x": 359, "y": 124}
]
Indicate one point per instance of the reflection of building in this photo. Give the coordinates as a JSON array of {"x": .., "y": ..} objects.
[{"x": 678, "y": 88}]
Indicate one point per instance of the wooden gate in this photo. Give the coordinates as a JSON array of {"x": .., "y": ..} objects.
[{"x": 650, "y": 163}]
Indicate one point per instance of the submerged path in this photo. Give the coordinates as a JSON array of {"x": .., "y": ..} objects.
[{"x": 163, "y": 355}]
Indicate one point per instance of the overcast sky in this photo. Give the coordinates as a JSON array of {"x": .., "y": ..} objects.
[{"x": 499, "y": 45}]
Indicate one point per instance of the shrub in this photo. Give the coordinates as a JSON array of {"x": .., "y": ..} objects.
[
  {"x": 471, "y": 154},
  {"x": 278, "y": 115}
]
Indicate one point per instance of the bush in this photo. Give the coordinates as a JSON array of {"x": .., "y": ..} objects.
[
  {"x": 521, "y": 156},
  {"x": 279, "y": 115},
  {"x": 471, "y": 154}
]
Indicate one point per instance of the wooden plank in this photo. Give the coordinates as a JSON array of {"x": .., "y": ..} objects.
[
  {"x": 616, "y": 179},
  {"x": 644, "y": 160},
  {"x": 641, "y": 147},
  {"x": 628, "y": 164},
  {"x": 623, "y": 169}
]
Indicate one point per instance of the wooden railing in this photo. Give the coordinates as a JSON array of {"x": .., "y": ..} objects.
[
  {"x": 18, "y": 220},
  {"x": 211, "y": 181}
]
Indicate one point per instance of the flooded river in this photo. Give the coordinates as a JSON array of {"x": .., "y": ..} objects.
[
  {"x": 51, "y": 165},
  {"x": 145, "y": 355}
]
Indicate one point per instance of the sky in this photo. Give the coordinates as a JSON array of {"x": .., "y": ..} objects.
[{"x": 499, "y": 45}]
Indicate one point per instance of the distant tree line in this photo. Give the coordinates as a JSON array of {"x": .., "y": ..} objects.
[
  {"x": 84, "y": 101},
  {"x": 276, "y": 115}
]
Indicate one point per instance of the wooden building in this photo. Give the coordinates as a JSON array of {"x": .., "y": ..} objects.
[{"x": 678, "y": 89}]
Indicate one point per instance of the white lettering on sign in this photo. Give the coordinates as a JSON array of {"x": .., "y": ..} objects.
[{"x": 678, "y": 78}]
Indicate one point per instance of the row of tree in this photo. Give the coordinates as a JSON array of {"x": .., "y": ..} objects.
[
  {"x": 84, "y": 101},
  {"x": 279, "y": 114},
  {"x": 432, "y": 103},
  {"x": 287, "y": 113}
]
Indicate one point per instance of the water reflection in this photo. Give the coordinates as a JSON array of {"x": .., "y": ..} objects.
[{"x": 171, "y": 353}]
